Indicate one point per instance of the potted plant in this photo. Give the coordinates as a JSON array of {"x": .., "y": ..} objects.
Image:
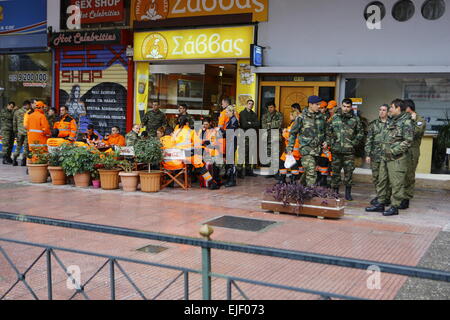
[
  {"x": 128, "y": 177},
  {"x": 298, "y": 199},
  {"x": 149, "y": 151},
  {"x": 79, "y": 163},
  {"x": 55, "y": 160},
  {"x": 108, "y": 168},
  {"x": 37, "y": 168},
  {"x": 95, "y": 175}
]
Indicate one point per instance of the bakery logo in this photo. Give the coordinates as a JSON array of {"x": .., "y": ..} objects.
[
  {"x": 153, "y": 10},
  {"x": 155, "y": 47}
]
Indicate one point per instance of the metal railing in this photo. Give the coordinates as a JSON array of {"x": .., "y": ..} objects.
[{"x": 206, "y": 246}]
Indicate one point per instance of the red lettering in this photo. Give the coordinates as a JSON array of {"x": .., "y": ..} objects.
[
  {"x": 70, "y": 57},
  {"x": 96, "y": 75},
  {"x": 117, "y": 57},
  {"x": 81, "y": 76},
  {"x": 65, "y": 76}
]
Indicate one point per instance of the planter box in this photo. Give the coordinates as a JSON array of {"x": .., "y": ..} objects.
[{"x": 317, "y": 207}]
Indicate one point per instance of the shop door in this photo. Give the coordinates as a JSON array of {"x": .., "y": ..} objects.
[{"x": 291, "y": 95}]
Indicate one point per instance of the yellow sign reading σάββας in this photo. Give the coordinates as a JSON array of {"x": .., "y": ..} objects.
[{"x": 214, "y": 43}]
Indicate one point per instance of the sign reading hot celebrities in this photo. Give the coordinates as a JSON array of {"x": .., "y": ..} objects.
[
  {"x": 215, "y": 43},
  {"x": 148, "y": 10}
]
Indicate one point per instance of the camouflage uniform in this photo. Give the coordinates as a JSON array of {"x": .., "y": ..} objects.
[
  {"x": 271, "y": 121},
  {"x": 20, "y": 133},
  {"x": 397, "y": 140},
  {"x": 132, "y": 138},
  {"x": 7, "y": 132},
  {"x": 344, "y": 133},
  {"x": 153, "y": 120},
  {"x": 373, "y": 149},
  {"x": 310, "y": 129},
  {"x": 410, "y": 179}
]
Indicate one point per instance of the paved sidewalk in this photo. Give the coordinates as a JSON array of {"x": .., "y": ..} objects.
[{"x": 403, "y": 239}]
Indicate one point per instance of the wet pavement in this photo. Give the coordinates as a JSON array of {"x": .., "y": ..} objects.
[{"x": 415, "y": 237}]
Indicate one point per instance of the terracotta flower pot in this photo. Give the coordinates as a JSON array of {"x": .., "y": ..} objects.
[
  {"x": 38, "y": 173},
  {"x": 130, "y": 180},
  {"x": 58, "y": 176},
  {"x": 150, "y": 181},
  {"x": 82, "y": 180},
  {"x": 109, "y": 179}
]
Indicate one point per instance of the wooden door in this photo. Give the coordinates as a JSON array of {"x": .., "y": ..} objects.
[{"x": 291, "y": 95}]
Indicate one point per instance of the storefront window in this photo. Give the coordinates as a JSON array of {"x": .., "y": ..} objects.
[
  {"x": 25, "y": 76},
  {"x": 431, "y": 96},
  {"x": 267, "y": 96}
]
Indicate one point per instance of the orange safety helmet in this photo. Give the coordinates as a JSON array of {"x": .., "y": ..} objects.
[
  {"x": 332, "y": 104},
  {"x": 40, "y": 105},
  {"x": 323, "y": 104}
]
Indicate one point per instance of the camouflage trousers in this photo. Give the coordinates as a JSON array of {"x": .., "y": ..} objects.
[
  {"x": 392, "y": 175},
  {"x": 346, "y": 161},
  {"x": 375, "y": 166},
  {"x": 410, "y": 179},
  {"x": 7, "y": 143},
  {"x": 22, "y": 141},
  {"x": 309, "y": 164}
]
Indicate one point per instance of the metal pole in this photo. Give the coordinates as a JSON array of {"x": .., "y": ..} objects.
[
  {"x": 112, "y": 279},
  {"x": 205, "y": 232},
  {"x": 186, "y": 285},
  {"x": 49, "y": 274}
]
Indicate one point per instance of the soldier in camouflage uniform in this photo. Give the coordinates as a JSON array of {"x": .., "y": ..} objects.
[
  {"x": 309, "y": 127},
  {"x": 397, "y": 140},
  {"x": 373, "y": 148},
  {"x": 50, "y": 114},
  {"x": 154, "y": 119},
  {"x": 7, "y": 132},
  {"x": 419, "y": 124},
  {"x": 21, "y": 133},
  {"x": 272, "y": 119},
  {"x": 132, "y": 137},
  {"x": 344, "y": 133}
]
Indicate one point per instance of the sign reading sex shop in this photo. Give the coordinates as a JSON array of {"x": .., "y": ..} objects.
[{"x": 96, "y": 11}]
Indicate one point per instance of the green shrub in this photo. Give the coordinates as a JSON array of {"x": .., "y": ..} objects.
[
  {"x": 149, "y": 151},
  {"x": 78, "y": 160}
]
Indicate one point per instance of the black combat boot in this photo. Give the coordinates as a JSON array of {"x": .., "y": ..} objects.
[
  {"x": 393, "y": 211},
  {"x": 323, "y": 181},
  {"x": 374, "y": 201},
  {"x": 348, "y": 193},
  {"x": 213, "y": 185},
  {"x": 24, "y": 162},
  {"x": 14, "y": 162},
  {"x": 377, "y": 207},
  {"x": 231, "y": 177},
  {"x": 7, "y": 160},
  {"x": 404, "y": 204}
]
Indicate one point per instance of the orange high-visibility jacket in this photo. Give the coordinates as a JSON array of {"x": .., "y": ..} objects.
[
  {"x": 296, "y": 150},
  {"x": 216, "y": 147},
  {"x": 169, "y": 143},
  {"x": 186, "y": 139},
  {"x": 38, "y": 129},
  {"x": 116, "y": 140},
  {"x": 67, "y": 127},
  {"x": 223, "y": 119}
]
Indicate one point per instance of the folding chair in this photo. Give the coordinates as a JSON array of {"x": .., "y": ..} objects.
[{"x": 170, "y": 176}]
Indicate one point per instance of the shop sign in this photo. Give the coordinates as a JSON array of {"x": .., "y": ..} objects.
[
  {"x": 30, "y": 79},
  {"x": 216, "y": 43},
  {"x": 153, "y": 10},
  {"x": 96, "y": 11},
  {"x": 256, "y": 55},
  {"x": 85, "y": 38},
  {"x": 14, "y": 20}
]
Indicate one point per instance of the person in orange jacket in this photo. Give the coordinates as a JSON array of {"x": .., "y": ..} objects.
[
  {"x": 115, "y": 138},
  {"x": 186, "y": 139},
  {"x": 168, "y": 142},
  {"x": 55, "y": 142},
  {"x": 66, "y": 125},
  {"x": 38, "y": 129},
  {"x": 213, "y": 144},
  {"x": 295, "y": 170},
  {"x": 323, "y": 167}
]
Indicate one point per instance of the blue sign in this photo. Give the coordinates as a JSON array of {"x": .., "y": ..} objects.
[
  {"x": 23, "y": 17},
  {"x": 256, "y": 55}
]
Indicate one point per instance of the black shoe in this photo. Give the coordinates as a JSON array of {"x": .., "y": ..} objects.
[
  {"x": 240, "y": 174},
  {"x": 378, "y": 207},
  {"x": 404, "y": 204},
  {"x": 250, "y": 173},
  {"x": 393, "y": 211},
  {"x": 348, "y": 193},
  {"x": 213, "y": 186},
  {"x": 230, "y": 183},
  {"x": 24, "y": 162},
  {"x": 15, "y": 163},
  {"x": 374, "y": 201}
]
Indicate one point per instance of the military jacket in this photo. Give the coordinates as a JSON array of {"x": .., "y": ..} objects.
[
  {"x": 131, "y": 138},
  {"x": 310, "y": 129},
  {"x": 374, "y": 142},
  {"x": 153, "y": 120},
  {"x": 272, "y": 121},
  {"x": 6, "y": 120},
  {"x": 398, "y": 137},
  {"x": 419, "y": 130},
  {"x": 344, "y": 133},
  {"x": 18, "y": 122}
]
